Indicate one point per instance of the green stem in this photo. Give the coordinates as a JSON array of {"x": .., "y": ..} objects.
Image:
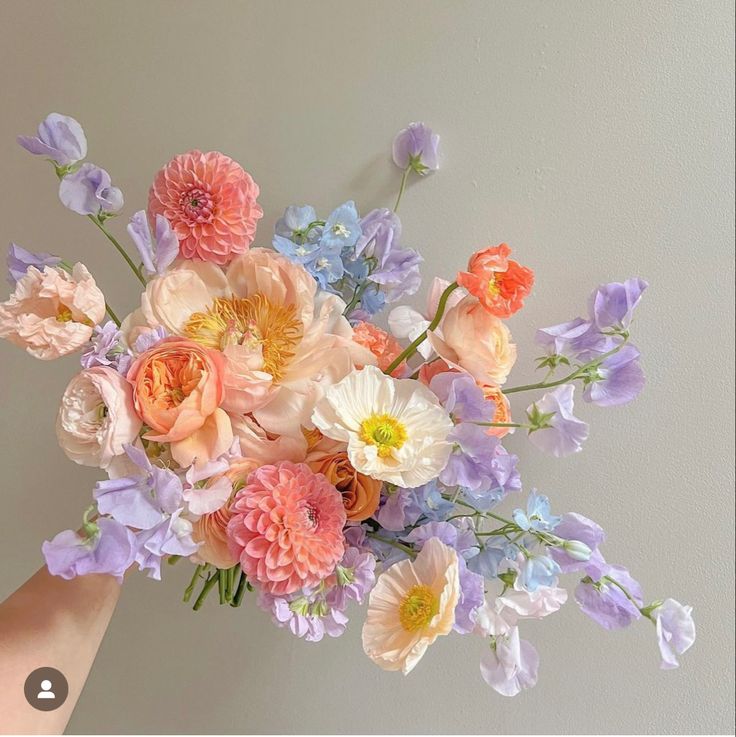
[
  {"x": 221, "y": 585},
  {"x": 412, "y": 347},
  {"x": 112, "y": 314},
  {"x": 357, "y": 294},
  {"x": 96, "y": 220},
  {"x": 628, "y": 596},
  {"x": 394, "y": 544},
  {"x": 190, "y": 589},
  {"x": 238, "y": 596},
  {"x": 211, "y": 581},
  {"x": 500, "y": 424},
  {"x": 402, "y": 187},
  {"x": 570, "y": 377}
]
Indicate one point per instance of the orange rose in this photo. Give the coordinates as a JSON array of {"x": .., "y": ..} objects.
[
  {"x": 177, "y": 390},
  {"x": 499, "y": 283},
  {"x": 360, "y": 494},
  {"x": 503, "y": 409},
  {"x": 211, "y": 529}
]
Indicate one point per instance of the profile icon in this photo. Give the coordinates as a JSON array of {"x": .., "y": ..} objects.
[
  {"x": 46, "y": 692},
  {"x": 46, "y": 689}
]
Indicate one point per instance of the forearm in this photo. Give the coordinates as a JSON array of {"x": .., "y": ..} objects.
[{"x": 50, "y": 622}]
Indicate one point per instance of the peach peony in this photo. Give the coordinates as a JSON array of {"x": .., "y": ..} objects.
[
  {"x": 210, "y": 530},
  {"x": 473, "y": 340},
  {"x": 52, "y": 313},
  {"x": 498, "y": 282},
  {"x": 360, "y": 494},
  {"x": 177, "y": 390},
  {"x": 411, "y": 605},
  {"x": 382, "y": 345},
  {"x": 282, "y": 341},
  {"x": 210, "y": 201},
  {"x": 286, "y": 527},
  {"x": 96, "y": 418},
  {"x": 503, "y": 410}
]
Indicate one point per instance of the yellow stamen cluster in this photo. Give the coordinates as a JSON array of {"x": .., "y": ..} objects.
[
  {"x": 63, "y": 314},
  {"x": 252, "y": 321},
  {"x": 383, "y": 431},
  {"x": 418, "y": 607}
]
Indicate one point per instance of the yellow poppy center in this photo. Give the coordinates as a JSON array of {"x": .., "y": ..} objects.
[
  {"x": 63, "y": 314},
  {"x": 493, "y": 288},
  {"x": 383, "y": 431},
  {"x": 254, "y": 322},
  {"x": 418, "y": 608}
]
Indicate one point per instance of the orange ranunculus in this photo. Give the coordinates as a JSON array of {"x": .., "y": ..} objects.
[
  {"x": 503, "y": 409},
  {"x": 498, "y": 282},
  {"x": 381, "y": 344},
  {"x": 360, "y": 494},
  {"x": 211, "y": 529},
  {"x": 177, "y": 390}
]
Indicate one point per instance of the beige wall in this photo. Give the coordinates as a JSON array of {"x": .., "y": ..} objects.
[{"x": 595, "y": 137}]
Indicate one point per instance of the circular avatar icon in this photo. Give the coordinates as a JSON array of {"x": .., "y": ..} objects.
[{"x": 46, "y": 689}]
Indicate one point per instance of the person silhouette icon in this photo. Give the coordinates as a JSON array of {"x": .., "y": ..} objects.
[{"x": 46, "y": 692}]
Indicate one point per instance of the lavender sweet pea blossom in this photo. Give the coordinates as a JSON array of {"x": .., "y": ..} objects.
[
  {"x": 109, "y": 548},
  {"x": 505, "y": 479},
  {"x": 356, "y": 575},
  {"x": 19, "y": 260},
  {"x": 575, "y": 527},
  {"x": 606, "y": 603},
  {"x": 416, "y": 146},
  {"x": 510, "y": 664},
  {"x": 107, "y": 348},
  {"x": 171, "y": 536},
  {"x": 562, "y": 433},
  {"x": 89, "y": 191},
  {"x": 619, "y": 379},
  {"x": 60, "y": 138},
  {"x": 380, "y": 235},
  {"x": 578, "y": 339},
  {"x": 612, "y": 305},
  {"x": 157, "y": 250},
  {"x": 472, "y": 463},
  {"x": 399, "y": 274},
  {"x": 675, "y": 631},
  {"x": 461, "y": 396}
]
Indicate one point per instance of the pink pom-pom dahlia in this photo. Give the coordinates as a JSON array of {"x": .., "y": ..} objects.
[
  {"x": 210, "y": 201},
  {"x": 286, "y": 528}
]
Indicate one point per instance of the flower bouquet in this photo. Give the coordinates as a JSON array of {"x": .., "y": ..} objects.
[{"x": 253, "y": 418}]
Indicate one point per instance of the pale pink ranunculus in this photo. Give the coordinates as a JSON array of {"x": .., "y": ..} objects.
[
  {"x": 97, "y": 419},
  {"x": 473, "y": 340},
  {"x": 177, "y": 391},
  {"x": 210, "y": 201},
  {"x": 52, "y": 313},
  {"x": 283, "y": 343}
]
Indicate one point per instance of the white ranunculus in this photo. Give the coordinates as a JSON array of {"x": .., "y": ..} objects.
[{"x": 96, "y": 418}]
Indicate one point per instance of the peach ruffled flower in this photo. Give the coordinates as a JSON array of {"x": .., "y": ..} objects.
[
  {"x": 473, "y": 340},
  {"x": 503, "y": 410},
  {"x": 177, "y": 390},
  {"x": 382, "y": 345},
  {"x": 210, "y": 530},
  {"x": 360, "y": 493},
  {"x": 428, "y": 371},
  {"x": 498, "y": 282},
  {"x": 411, "y": 605},
  {"x": 283, "y": 343},
  {"x": 52, "y": 313},
  {"x": 210, "y": 201},
  {"x": 286, "y": 528}
]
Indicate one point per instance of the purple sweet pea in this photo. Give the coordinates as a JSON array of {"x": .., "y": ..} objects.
[
  {"x": 577, "y": 340},
  {"x": 381, "y": 232},
  {"x": 19, "y": 260},
  {"x": 106, "y": 348},
  {"x": 575, "y": 527},
  {"x": 620, "y": 381},
  {"x": 399, "y": 274},
  {"x": 611, "y": 305},
  {"x": 461, "y": 396},
  {"x": 675, "y": 631},
  {"x": 606, "y": 603},
  {"x": 110, "y": 548},
  {"x": 60, "y": 138},
  {"x": 158, "y": 250},
  {"x": 89, "y": 191},
  {"x": 171, "y": 536},
  {"x": 356, "y": 575},
  {"x": 510, "y": 665},
  {"x": 506, "y": 479},
  {"x": 416, "y": 146},
  {"x": 561, "y": 433},
  {"x": 472, "y": 463}
]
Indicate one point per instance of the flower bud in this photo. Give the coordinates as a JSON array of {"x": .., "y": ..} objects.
[{"x": 577, "y": 550}]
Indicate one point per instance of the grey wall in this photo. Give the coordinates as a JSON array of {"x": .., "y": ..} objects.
[{"x": 595, "y": 137}]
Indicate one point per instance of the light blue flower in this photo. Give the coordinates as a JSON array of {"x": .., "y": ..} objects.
[
  {"x": 342, "y": 228},
  {"x": 536, "y": 571},
  {"x": 538, "y": 515},
  {"x": 294, "y": 222}
]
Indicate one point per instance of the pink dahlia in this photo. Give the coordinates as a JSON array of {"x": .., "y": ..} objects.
[
  {"x": 210, "y": 201},
  {"x": 286, "y": 527}
]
